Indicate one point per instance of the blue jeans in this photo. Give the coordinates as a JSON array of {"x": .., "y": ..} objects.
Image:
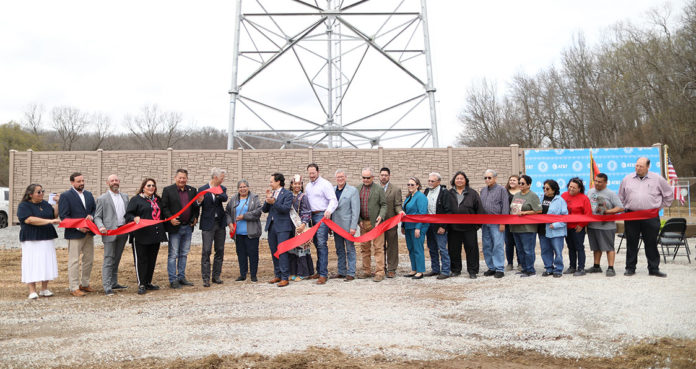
[
  {"x": 576, "y": 248},
  {"x": 526, "y": 242},
  {"x": 344, "y": 247},
  {"x": 415, "y": 250},
  {"x": 281, "y": 265},
  {"x": 320, "y": 242},
  {"x": 493, "y": 244},
  {"x": 179, "y": 246},
  {"x": 552, "y": 253},
  {"x": 439, "y": 255}
]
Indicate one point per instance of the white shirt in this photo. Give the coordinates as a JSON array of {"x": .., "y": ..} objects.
[
  {"x": 119, "y": 206},
  {"x": 82, "y": 197}
]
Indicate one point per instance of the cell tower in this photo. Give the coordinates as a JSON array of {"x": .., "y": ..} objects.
[{"x": 333, "y": 73}]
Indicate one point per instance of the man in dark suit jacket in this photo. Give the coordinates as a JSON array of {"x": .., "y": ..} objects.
[
  {"x": 76, "y": 203},
  {"x": 391, "y": 237},
  {"x": 212, "y": 225},
  {"x": 110, "y": 214},
  {"x": 174, "y": 198},
  {"x": 278, "y": 225}
]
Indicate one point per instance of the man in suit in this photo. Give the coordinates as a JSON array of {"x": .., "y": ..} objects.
[
  {"x": 174, "y": 198},
  {"x": 110, "y": 214},
  {"x": 278, "y": 225},
  {"x": 346, "y": 216},
  {"x": 391, "y": 236},
  {"x": 373, "y": 209},
  {"x": 212, "y": 225},
  {"x": 76, "y": 203}
]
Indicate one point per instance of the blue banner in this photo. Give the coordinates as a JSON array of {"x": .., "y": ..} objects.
[{"x": 563, "y": 164}]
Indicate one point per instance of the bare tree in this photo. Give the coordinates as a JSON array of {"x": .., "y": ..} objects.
[
  {"x": 69, "y": 123},
  {"x": 156, "y": 129},
  {"x": 101, "y": 130},
  {"x": 33, "y": 118}
]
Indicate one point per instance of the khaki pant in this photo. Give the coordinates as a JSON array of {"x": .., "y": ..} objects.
[
  {"x": 84, "y": 246},
  {"x": 377, "y": 245}
]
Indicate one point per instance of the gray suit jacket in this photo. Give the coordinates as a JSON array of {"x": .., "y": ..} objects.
[
  {"x": 105, "y": 213},
  {"x": 347, "y": 213}
]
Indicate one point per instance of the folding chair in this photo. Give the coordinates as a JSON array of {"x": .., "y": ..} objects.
[
  {"x": 672, "y": 235},
  {"x": 622, "y": 236}
]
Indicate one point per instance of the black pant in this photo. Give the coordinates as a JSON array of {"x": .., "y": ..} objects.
[
  {"x": 510, "y": 246},
  {"x": 216, "y": 237},
  {"x": 649, "y": 228},
  {"x": 454, "y": 246},
  {"x": 247, "y": 254},
  {"x": 145, "y": 256}
]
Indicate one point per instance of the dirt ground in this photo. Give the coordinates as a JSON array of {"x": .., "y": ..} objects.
[{"x": 664, "y": 352}]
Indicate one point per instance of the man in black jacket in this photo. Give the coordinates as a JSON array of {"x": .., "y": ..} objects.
[
  {"x": 174, "y": 198},
  {"x": 438, "y": 203},
  {"x": 213, "y": 225}
]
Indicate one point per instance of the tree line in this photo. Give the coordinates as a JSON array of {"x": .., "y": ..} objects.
[{"x": 635, "y": 88}]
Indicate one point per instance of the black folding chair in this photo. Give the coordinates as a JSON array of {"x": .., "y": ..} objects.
[
  {"x": 622, "y": 236},
  {"x": 672, "y": 235}
]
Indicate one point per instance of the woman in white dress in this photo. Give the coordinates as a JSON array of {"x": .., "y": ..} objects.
[{"x": 36, "y": 237}]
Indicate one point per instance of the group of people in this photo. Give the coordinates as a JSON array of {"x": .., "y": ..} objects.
[{"x": 293, "y": 211}]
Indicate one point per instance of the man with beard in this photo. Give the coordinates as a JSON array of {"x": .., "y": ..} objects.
[{"x": 109, "y": 214}]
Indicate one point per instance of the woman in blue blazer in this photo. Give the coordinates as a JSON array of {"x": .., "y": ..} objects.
[
  {"x": 551, "y": 235},
  {"x": 415, "y": 203}
]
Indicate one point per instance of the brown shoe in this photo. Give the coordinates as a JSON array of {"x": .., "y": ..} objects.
[
  {"x": 365, "y": 276},
  {"x": 316, "y": 276},
  {"x": 321, "y": 280},
  {"x": 77, "y": 293},
  {"x": 86, "y": 289},
  {"x": 378, "y": 278},
  {"x": 283, "y": 283},
  {"x": 274, "y": 280},
  {"x": 391, "y": 274},
  {"x": 349, "y": 278},
  {"x": 337, "y": 276}
]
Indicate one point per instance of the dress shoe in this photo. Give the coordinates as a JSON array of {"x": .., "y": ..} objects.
[
  {"x": 378, "y": 278},
  {"x": 546, "y": 274},
  {"x": 557, "y": 275},
  {"x": 472, "y": 275},
  {"x": 391, "y": 274},
  {"x": 274, "y": 280},
  {"x": 86, "y": 289},
  {"x": 409, "y": 275},
  {"x": 316, "y": 276},
  {"x": 240, "y": 278},
  {"x": 321, "y": 280},
  {"x": 456, "y": 274},
  {"x": 118, "y": 287},
  {"x": 488, "y": 273},
  {"x": 142, "y": 290},
  {"x": 349, "y": 278},
  {"x": 185, "y": 282},
  {"x": 569, "y": 271},
  {"x": 283, "y": 283},
  {"x": 206, "y": 284},
  {"x": 442, "y": 276},
  {"x": 175, "y": 285},
  {"x": 217, "y": 280},
  {"x": 432, "y": 274},
  {"x": 657, "y": 273},
  {"x": 499, "y": 275},
  {"x": 109, "y": 292},
  {"x": 337, "y": 276},
  {"x": 418, "y": 276},
  {"x": 629, "y": 272},
  {"x": 151, "y": 287},
  {"x": 77, "y": 293},
  {"x": 254, "y": 279}
]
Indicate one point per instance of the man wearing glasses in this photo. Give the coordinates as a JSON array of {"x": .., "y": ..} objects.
[
  {"x": 436, "y": 235},
  {"x": 373, "y": 209},
  {"x": 495, "y": 201}
]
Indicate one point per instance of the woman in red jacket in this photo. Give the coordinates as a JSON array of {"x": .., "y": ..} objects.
[{"x": 578, "y": 203}]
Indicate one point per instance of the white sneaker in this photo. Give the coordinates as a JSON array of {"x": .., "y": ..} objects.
[
  {"x": 46, "y": 293},
  {"x": 33, "y": 296}
]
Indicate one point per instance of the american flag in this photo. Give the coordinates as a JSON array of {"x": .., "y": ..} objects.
[{"x": 674, "y": 181}]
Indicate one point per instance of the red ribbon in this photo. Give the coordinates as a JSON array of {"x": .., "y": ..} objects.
[
  {"x": 233, "y": 230},
  {"x": 130, "y": 227},
  {"x": 459, "y": 219}
]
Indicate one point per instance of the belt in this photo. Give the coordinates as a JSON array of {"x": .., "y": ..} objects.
[{"x": 318, "y": 211}]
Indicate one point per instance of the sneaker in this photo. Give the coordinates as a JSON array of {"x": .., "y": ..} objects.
[
  {"x": 611, "y": 273},
  {"x": 141, "y": 290},
  {"x": 240, "y": 278},
  {"x": 379, "y": 278},
  {"x": 151, "y": 287},
  {"x": 33, "y": 296},
  {"x": 46, "y": 293},
  {"x": 118, "y": 287},
  {"x": 499, "y": 275},
  {"x": 519, "y": 268},
  {"x": 508, "y": 268},
  {"x": 579, "y": 273},
  {"x": 254, "y": 279},
  {"x": 488, "y": 273},
  {"x": 594, "y": 270},
  {"x": 185, "y": 282},
  {"x": 109, "y": 292},
  {"x": 472, "y": 275},
  {"x": 569, "y": 271},
  {"x": 545, "y": 274},
  {"x": 525, "y": 275},
  {"x": 629, "y": 272}
]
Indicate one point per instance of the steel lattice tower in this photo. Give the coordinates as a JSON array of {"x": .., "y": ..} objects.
[{"x": 338, "y": 73}]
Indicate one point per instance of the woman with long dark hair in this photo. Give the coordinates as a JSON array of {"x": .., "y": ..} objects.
[
  {"x": 146, "y": 241},
  {"x": 551, "y": 234},
  {"x": 465, "y": 200}
]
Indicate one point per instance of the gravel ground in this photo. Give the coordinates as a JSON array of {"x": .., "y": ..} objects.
[{"x": 399, "y": 318}]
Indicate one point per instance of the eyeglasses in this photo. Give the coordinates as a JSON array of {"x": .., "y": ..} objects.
[
  {"x": 150, "y": 185},
  {"x": 522, "y": 184},
  {"x": 366, "y": 177},
  {"x": 40, "y": 191},
  {"x": 546, "y": 188},
  {"x": 487, "y": 177},
  {"x": 411, "y": 185}
]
